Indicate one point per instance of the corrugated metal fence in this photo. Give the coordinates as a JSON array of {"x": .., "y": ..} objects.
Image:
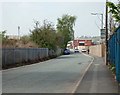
[
  {"x": 114, "y": 52},
  {"x": 17, "y": 55}
]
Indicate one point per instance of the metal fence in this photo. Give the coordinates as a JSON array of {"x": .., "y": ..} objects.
[
  {"x": 0, "y": 59},
  {"x": 55, "y": 53},
  {"x": 17, "y": 55},
  {"x": 114, "y": 52}
]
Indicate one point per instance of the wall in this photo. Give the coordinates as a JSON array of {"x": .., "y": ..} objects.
[
  {"x": 98, "y": 50},
  {"x": 86, "y": 42}
]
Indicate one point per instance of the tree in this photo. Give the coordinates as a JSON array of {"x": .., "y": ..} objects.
[
  {"x": 44, "y": 36},
  {"x": 111, "y": 24},
  {"x": 5, "y": 41},
  {"x": 3, "y": 38},
  {"x": 115, "y": 10},
  {"x": 59, "y": 40},
  {"x": 65, "y": 27},
  {"x": 25, "y": 39}
]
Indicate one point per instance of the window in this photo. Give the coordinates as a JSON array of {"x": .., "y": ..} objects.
[{"x": 81, "y": 43}]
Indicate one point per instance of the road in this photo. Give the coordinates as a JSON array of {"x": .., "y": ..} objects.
[{"x": 59, "y": 75}]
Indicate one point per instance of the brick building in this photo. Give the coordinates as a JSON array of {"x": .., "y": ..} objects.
[{"x": 79, "y": 43}]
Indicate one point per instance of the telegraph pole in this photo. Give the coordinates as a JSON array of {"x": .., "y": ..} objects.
[
  {"x": 106, "y": 27},
  {"x": 19, "y": 32}
]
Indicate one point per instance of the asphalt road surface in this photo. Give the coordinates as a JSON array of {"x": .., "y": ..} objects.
[{"x": 59, "y": 75}]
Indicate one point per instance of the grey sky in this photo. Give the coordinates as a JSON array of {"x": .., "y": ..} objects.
[{"x": 23, "y": 14}]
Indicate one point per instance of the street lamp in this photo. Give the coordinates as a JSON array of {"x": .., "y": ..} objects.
[{"x": 101, "y": 18}]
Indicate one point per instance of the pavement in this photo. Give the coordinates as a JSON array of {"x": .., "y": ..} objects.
[{"x": 98, "y": 79}]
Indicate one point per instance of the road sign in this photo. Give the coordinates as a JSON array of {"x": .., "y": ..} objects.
[{"x": 103, "y": 33}]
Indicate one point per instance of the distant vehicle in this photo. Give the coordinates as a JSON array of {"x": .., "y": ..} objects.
[
  {"x": 84, "y": 50},
  {"x": 76, "y": 51},
  {"x": 66, "y": 52}
]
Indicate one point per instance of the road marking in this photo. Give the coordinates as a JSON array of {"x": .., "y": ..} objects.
[
  {"x": 81, "y": 78},
  {"x": 87, "y": 55},
  {"x": 96, "y": 64}
]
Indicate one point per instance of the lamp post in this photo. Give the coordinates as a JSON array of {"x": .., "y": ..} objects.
[
  {"x": 102, "y": 32},
  {"x": 106, "y": 28},
  {"x": 101, "y": 18}
]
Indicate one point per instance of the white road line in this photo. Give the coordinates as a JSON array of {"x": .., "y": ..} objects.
[
  {"x": 87, "y": 55},
  {"x": 81, "y": 78}
]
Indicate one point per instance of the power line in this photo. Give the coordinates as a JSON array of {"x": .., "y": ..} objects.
[
  {"x": 97, "y": 25},
  {"x": 100, "y": 20},
  {"x": 103, "y": 23}
]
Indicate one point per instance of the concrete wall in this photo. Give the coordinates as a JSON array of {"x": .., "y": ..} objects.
[{"x": 98, "y": 50}]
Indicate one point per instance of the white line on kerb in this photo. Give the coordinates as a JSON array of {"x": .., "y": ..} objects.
[{"x": 81, "y": 78}]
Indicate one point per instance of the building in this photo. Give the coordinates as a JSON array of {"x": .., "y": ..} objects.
[{"x": 80, "y": 43}]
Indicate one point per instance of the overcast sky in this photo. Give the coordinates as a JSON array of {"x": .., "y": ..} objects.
[{"x": 23, "y": 14}]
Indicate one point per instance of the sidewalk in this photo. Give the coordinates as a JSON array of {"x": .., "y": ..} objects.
[{"x": 98, "y": 79}]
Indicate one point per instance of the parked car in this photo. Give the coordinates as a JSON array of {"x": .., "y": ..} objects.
[
  {"x": 76, "y": 51},
  {"x": 84, "y": 50},
  {"x": 66, "y": 51}
]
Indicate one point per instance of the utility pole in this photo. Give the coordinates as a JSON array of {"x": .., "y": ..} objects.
[
  {"x": 36, "y": 24},
  {"x": 19, "y": 32},
  {"x": 106, "y": 27}
]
